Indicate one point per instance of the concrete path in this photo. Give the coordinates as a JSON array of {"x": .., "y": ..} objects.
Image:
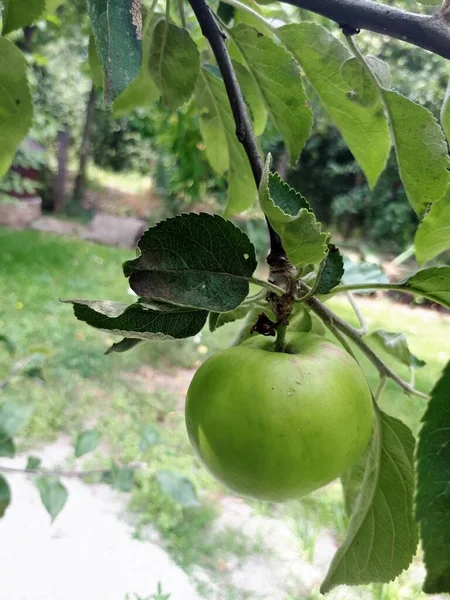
[{"x": 87, "y": 554}]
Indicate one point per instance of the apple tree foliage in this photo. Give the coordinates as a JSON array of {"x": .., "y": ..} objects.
[{"x": 192, "y": 269}]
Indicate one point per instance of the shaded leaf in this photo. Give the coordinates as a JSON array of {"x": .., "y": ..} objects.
[
  {"x": 87, "y": 441},
  {"x": 362, "y": 273},
  {"x": 195, "y": 260},
  {"x": 8, "y": 344},
  {"x": 16, "y": 111},
  {"x": 289, "y": 214},
  {"x": 124, "y": 345},
  {"x": 279, "y": 82},
  {"x": 252, "y": 96},
  {"x": 120, "y": 478},
  {"x": 139, "y": 322},
  {"x": 352, "y": 481},
  {"x": 17, "y": 14},
  {"x": 117, "y": 28},
  {"x": 433, "y": 284},
  {"x": 13, "y": 417},
  {"x": 216, "y": 320},
  {"x": 142, "y": 91},
  {"x": 33, "y": 463},
  {"x": 382, "y": 536},
  {"x": 332, "y": 272},
  {"x": 364, "y": 129},
  {"x": 173, "y": 63},
  {"x": 150, "y": 437},
  {"x": 433, "y": 497},
  {"x": 362, "y": 88},
  {"x": 179, "y": 488},
  {"x": 396, "y": 345},
  {"x": 433, "y": 233},
  {"x": 53, "y": 495},
  {"x": 421, "y": 150},
  {"x": 5, "y": 496},
  {"x": 300, "y": 320},
  {"x": 223, "y": 150},
  {"x": 7, "y": 447}
]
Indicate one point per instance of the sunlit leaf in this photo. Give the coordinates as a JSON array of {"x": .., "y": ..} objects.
[
  {"x": 173, "y": 62},
  {"x": 279, "y": 81},
  {"x": 433, "y": 233},
  {"x": 364, "y": 129},
  {"x": 396, "y": 345},
  {"x": 223, "y": 149},
  {"x": 433, "y": 284},
  {"x": 17, "y": 14},
  {"x": 252, "y": 96},
  {"x": 382, "y": 536},
  {"x": 87, "y": 441},
  {"x": 16, "y": 111}
]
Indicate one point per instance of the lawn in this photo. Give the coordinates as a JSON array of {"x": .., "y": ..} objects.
[{"x": 120, "y": 393}]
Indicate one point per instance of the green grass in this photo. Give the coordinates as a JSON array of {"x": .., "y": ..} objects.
[{"x": 84, "y": 387}]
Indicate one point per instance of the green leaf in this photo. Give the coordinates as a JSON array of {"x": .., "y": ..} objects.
[
  {"x": 279, "y": 81},
  {"x": 445, "y": 114},
  {"x": 16, "y": 110},
  {"x": 433, "y": 284},
  {"x": 352, "y": 481},
  {"x": 174, "y": 63},
  {"x": 53, "y": 495},
  {"x": 252, "y": 96},
  {"x": 137, "y": 321},
  {"x": 361, "y": 273},
  {"x": 194, "y": 260},
  {"x": 33, "y": 463},
  {"x": 142, "y": 91},
  {"x": 396, "y": 345},
  {"x": 300, "y": 320},
  {"x": 382, "y": 536},
  {"x": 216, "y": 320},
  {"x": 223, "y": 149},
  {"x": 13, "y": 417},
  {"x": 364, "y": 129},
  {"x": 433, "y": 233},
  {"x": 362, "y": 88},
  {"x": 95, "y": 66},
  {"x": 117, "y": 28},
  {"x": 8, "y": 344},
  {"x": 17, "y": 14},
  {"x": 433, "y": 497},
  {"x": 124, "y": 345},
  {"x": 7, "y": 446},
  {"x": 120, "y": 478},
  {"x": 289, "y": 214},
  {"x": 421, "y": 150},
  {"x": 332, "y": 272},
  {"x": 87, "y": 441},
  {"x": 179, "y": 488},
  {"x": 5, "y": 496},
  {"x": 150, "y": 437}
]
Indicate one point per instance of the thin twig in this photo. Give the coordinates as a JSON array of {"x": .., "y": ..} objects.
[
  {"x": 426, "y": 31},
  {"x": 181, "y": 11},
  {"x": 364, "y": 325},
  {"x": 329, "y": 316},
  {"x": 379, "y": 388},
  {"x": 341, "y": 339},
  {"x": 54, "y": 472},
  {"x": 15, "y": 369}
]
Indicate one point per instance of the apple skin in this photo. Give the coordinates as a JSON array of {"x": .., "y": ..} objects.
[{"x": 276, "y": 426}]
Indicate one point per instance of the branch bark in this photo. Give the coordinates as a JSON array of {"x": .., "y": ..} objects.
[{"x": 429, "y": 32}]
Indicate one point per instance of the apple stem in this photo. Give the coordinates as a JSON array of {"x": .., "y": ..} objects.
[{"x": 280, "y": 342}]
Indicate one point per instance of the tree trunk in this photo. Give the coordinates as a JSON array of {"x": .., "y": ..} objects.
[
  {"x": 59, "y": 187},
  {"x": 80, "y": 181}
]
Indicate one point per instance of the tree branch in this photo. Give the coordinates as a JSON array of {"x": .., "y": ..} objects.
[
  {"x": 244, "y": 129},
  {"x": 428, "y": 32}
]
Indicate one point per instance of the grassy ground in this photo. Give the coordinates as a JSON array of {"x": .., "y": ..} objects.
[{"x": 117, "y": 394}]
